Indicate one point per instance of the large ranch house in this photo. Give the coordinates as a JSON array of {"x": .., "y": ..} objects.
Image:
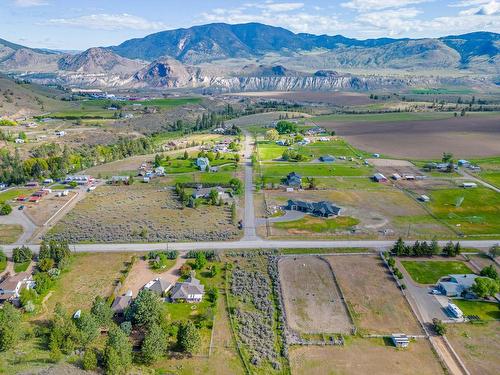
[{"x": 320, "y": 209}]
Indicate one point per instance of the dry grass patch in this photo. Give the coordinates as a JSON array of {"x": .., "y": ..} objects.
[
  {"x": 376, "y": 303},
  {"x": 365, "y": 356},
  {"x": 311, "y": 297},
  {"x": 9, "y": 233},
  {"x": 477, "y": 345}
]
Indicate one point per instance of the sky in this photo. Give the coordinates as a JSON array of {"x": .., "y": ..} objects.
[{"x": 78, "y": 25}]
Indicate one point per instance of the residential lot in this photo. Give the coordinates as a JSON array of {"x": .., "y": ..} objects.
[
  {"x": 363, "y": 356},
  {"x": 419, "y": 135},
  {"x": 477, "y": 345},
  {"x": 311, "y": 297},
  {"x": 429, "y": 272},
  {"x": 153, "y": 213},
  {"x": 376, "y": 302}
]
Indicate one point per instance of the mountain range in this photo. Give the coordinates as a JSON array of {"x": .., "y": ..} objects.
[{"x": 257, "y": 56}]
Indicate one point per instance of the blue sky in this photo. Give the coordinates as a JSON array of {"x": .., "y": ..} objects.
[{"x": 68, "y": 24}]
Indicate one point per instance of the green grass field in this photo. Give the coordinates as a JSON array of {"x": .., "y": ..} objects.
[
  {"x": 485, "y": 310},
  {"x": 477, "y": 214},
  {"x": 314, "y": 170},
  {"x": 429, "y": 272},
  {"x": 493, "y": 177},
  {"x": 14, "y": 193},
  {"x": 318, "y": 225},
  {"x": 442, "y": 91},
  {"x": 169, "y": 102},
  {"x": 21, "y": 267}
]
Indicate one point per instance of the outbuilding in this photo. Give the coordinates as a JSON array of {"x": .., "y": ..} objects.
[
  {"x": 379, "y": 177},
  {"x": 400, "y": 340}
]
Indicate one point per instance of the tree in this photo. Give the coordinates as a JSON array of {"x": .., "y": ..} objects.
[
  {"x": 45, "y": 264},
  {"x": 494, "y": 251},
  {"x": 154, "y": 345},
  {"x": 89, "y": 360},
  {"x": 449, "y": 249},
  {"x": 5, "y": 209},
  {"x": 439, "y": 327},
  {"x": 64, "y": 335},
  {"x": 391, "y": 262},
  {"x": 490, "y": 272},
  {"x": 447, "y": 157},
  {"x": 10, "y": 330},
  {"x": 188, "y": 337},
  {"x": 22, "y": 254},
  {"x": 236, "y": 185},
  {"x": 118, "y": 352},
  {"x": 399, "y": 247},
  {"x": 213, "y": 270},
  {"x": 185, "y": 270},
  {"x": 27, "y": 296},
  {"x": 312, "y": 183},
  {"x": 44, "y": 252},
  {"x": 212, "y": 197},
  {"x": 286, "y": 127},
  {"x": 126, "y": 327},
  {"x": 212, "y": 294},
  {"x": 88, "y": 327},
  {"x": 43, "y": 282},
  {"x": 186, "y": 155},
  {"x": 434, "y": 248},
  {"x": 272, "y": 135},
  {"x": 200, "y": 260},
  {"x": 485, "y": 287},
  {"x": 102, "y": 312},
  {"x": 158, "y": 160},
  {"x": 146, "y": 309}
]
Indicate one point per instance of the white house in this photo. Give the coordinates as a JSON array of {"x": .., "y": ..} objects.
[{"x": 12, "y": 286}]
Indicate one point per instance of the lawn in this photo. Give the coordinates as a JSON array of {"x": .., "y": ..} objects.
[
  {"x": 9, "y": 233},
  {"x": 318, "y": 225},
  {"x": 472, "y": 211},
  {"x": 168, "y": 103},
  {"x": 180, "y": 166},
  {"x": 14, "y": 193},
  {"x": 314, "y": 170},
  {"x": 485, "y": 310},
  {"x": 429, "y": 272},
  {"x": 3, "y": 264},
  {"x": 21, "y": 267},
  {"x": 493, "y": 177},
  {"x": 385, "y": 117}
]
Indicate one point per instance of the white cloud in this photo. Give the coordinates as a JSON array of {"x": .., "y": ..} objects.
[
  {"x": 279, "y": 7},
  {"x": 368, "y": 5},
  {"x": 30, "y": 3},
  {"x": 108, "y": 22}
]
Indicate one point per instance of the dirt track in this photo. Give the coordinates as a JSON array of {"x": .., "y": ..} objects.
[{"x": 463, "y": 136}]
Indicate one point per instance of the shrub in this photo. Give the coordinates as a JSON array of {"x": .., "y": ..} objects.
[
  {"x": 46, "y": 264},
  {"x": 5, "y": 209},
  {"x": 185, "y": 270},
  {"x": 22, "y": 254},
  {"x": 126, "y": 327},
  {"x": 439, "y": 327},
  {"x": 89, "y": 361}
]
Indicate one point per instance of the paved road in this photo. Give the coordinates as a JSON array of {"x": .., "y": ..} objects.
[
  {"x": 244, "y": 244},
  {"x": 19, "y": 217},
  {"x": 477, "y": 180},
  {"x": 288, "y": 216},
  {"x": 250, "y": 233}
]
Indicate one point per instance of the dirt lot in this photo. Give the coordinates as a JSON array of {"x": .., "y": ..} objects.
[
  {"x": 141, "y": 274},
  {"x": 312, "y": 300},
  {"x": 335, "y": 98},
  {"x": 365, "y": 356},
  {"x": 41, "y": 212},
  {"x": 370, "y": 291},
  {"x": 383, "y": 213},
  {"x": 142, "y": 212},
  {"x": 477, "y": 345},
  {"x": 465, "y": 137}
]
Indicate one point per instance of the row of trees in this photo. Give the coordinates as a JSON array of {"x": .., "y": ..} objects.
[{"x": 423, "y": 248}]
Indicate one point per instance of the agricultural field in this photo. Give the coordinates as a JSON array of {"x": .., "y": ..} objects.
[
  {"x": 429, "y": 272},
  {"x": 275, "y": 172},
  {"x": 419, "y": 135},
  {"x": 332, "y": 98},
  {"x": 9, "y": 233},
  {"x": 363, "y": 356},
  {"x": 372, "y": 213},
  {"x": 376, "y": 303},
  {"x": 311, "y": 296},
  {"x": 477, "y": 345},
  {"x": 471, "y": 211},
  {"x": 153, "y": 214}
]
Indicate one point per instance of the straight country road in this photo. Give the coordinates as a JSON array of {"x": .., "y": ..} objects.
[
  {"x": 250, "y": 233},
  {"x": 477, "y": 180}
]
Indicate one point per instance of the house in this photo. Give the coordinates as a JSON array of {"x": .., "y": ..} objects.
[
  {"x": 400, "y": 340},
  {"x": 118, "y": 180},
  {"x": 203, "y": 163},
  {"x": 34, "y": 199},
  {"x": 327, "y": 159},
  {"x": 202, "y": 192},
  {"x": 293, "y": 180},
  {"x": 160, "y": 171},
  {"x": 469, "y": 185},
  {"x": 121, "y": 303},
  {"x": 321, "y": 209},
  {"x": 424, "y": 198},
  {"x": 158, "y": 286},
  {"x": 21, "y": 198},
  {"x": 12, "y": 286},
  {"x": 189, "y": 291},
  {"x": 48, "y": 181},
  {"x": 379, "y": 177},
  {"x": 456, "y": 285},
  {"x": 464, "y": 163},
  {"x": 79, "y": 179},
  {"x": 396, "y": 176},
  {"x": 454, "y": 311}
]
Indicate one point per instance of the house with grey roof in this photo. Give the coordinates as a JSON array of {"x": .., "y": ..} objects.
[
  {"x": 321, "y": 209},
  {"x": 456, "y": 285},
  {"x": 203, "y": 164},
  {"x": 121, "y": 303},
  {"x": 202, "y": 192},
  {"x": 158, "y": 286},
  {"x": 327, "y": 159},
  {"x": 190, "y": 291},
  {"x": 294, "y": 180}
]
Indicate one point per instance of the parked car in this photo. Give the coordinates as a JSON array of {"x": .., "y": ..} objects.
[
  {"x": 435, "y": 291},
  {"x": 20, "y": 208}
]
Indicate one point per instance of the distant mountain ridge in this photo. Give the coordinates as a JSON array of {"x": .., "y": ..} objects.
[{"x": 267, "y": 58}]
